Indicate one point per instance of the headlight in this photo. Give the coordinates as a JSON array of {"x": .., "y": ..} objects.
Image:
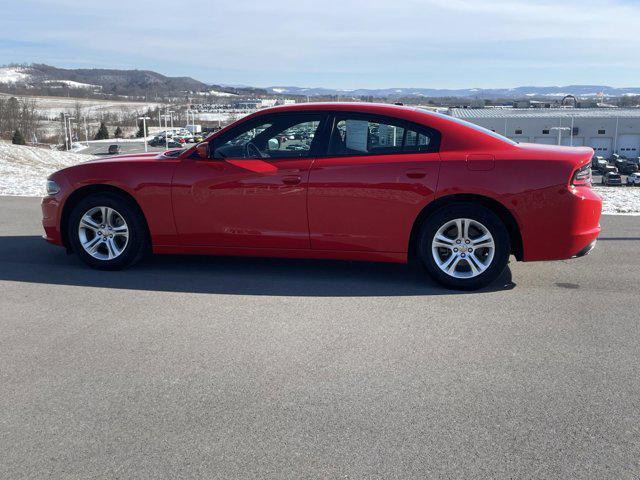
[{"x": 52, "y": 187}]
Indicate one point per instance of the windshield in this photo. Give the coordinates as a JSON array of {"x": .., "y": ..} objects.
[{"x": 475, "y": 127}]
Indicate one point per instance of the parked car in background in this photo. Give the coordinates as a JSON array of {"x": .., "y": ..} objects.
[
  {"x": 366, "y": 182},
  {"x": 626, "y": 167},
  {"x": 608, "y": 169},
  {"x": 601, "y": 163},
  {"x": 596, "y": 161},
  {"x": 633, "y": 179},
  {"x": 611, "y": 178},
  {"x": 114, "y": 149}
]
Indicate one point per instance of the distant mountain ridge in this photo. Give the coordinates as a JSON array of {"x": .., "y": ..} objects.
[
  {"x": 106, "y": 81},
  {"x": 45, "y": 78},
  {"x": 518, "y": 92}
]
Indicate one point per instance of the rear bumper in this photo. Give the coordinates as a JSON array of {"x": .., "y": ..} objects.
[
  {"x": 586, "y": 250},
  {"x": 564, "y": 225}
]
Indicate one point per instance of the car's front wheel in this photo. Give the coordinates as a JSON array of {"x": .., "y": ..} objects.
[
  {"x": 107, "y": 231},
  {"x": 464, "y": 246}
]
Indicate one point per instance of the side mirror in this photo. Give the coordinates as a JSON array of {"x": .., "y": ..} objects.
[{"x": 202, "y": 150}]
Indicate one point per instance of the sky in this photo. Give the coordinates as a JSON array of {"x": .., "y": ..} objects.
[{"x": 336, "y": 43}]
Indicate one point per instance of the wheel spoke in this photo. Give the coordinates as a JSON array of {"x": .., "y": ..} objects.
[
  {"x": 482, "y": 239},
  {"x": 459, "y": 223},
  {"x": 450, "y": 266},
  {"x": 476, "y": 265},
  {"x": 90, "y": 223},
  {"x": 121, "y": 230},
  {"x": 92, "y": 245},
  {"x": 465, "y": 228},
  {"x": 106, "y": 215},
  {"x": 112, "y": 249}
]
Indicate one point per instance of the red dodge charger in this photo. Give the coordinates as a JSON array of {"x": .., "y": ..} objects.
[{"x": 335, "y": 180}]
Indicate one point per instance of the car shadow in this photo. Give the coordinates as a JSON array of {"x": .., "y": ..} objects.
[{"x": 31, "y": 259}]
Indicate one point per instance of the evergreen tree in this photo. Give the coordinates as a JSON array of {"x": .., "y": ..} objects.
[
  {"x": 18, "y": 138},
  {"x": 118, "y": 133},
  {"x": 141, "y": 133},
  {"x": 103, "y": 133}
]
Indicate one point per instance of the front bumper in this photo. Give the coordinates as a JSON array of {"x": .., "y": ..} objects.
[{"x": 51, "y": 212}]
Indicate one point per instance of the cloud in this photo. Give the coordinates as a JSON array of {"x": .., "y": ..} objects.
[{"x": 341, "y": 43}]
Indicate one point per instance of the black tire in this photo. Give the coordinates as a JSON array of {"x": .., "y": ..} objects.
[
  {"x": 137, "y": 244},
  {"x": 471, "y": 211}
]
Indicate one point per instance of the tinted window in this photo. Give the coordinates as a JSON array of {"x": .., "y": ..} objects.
[
  {"x": 277, "y": 136},
  {"x": 358, "y": 135},
  {"x": 478, "y": 128}
]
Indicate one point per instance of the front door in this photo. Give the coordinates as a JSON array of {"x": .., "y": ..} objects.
[{"x": 252, "y": 191}]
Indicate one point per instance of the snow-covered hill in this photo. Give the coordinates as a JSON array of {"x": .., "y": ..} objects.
[{"x": 24, "y": 170}]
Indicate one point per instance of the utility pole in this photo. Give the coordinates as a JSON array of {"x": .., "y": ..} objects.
[
  {"x": 64, "y": 130},
  {"x": 70, "y": 132},
  {"x": 86, "y": 131},
  {"x": 144, "y": 130}
]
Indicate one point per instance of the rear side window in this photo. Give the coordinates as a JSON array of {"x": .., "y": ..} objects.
[{"x": 359, "y": 135}]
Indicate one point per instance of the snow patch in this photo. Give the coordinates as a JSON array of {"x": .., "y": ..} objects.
[
  {"x": 619, "y": 200},
  {"x": 72, "y": 84},
  {"x": 13, "y": 75},
  {"x": 24, "y": 170}
]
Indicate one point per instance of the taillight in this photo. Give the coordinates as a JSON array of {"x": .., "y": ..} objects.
[{"x": 582, "y": 177}]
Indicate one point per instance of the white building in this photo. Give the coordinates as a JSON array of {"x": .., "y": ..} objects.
[{"x": 607, "y": 131}]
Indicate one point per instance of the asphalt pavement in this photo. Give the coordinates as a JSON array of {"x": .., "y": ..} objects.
[{"x": 192, "y": 367}]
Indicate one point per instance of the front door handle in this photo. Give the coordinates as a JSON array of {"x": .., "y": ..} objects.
[{"x": 291, "y": 180}]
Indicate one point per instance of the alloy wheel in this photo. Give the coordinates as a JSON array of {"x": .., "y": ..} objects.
[
  {"x": 463, "y": 248},
  {"x": 103, "y": 233}
]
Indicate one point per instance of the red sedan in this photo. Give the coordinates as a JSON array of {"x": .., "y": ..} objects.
[{"x": 343, "y": 181}]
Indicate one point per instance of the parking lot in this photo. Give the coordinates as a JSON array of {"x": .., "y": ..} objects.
[{"x": 190, "y": 367}]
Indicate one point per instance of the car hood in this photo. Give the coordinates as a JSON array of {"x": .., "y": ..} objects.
[{"x": 136, "y": 156}]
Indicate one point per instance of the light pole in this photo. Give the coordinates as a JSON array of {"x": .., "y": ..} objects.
[
  {"x": 166, "y": 133},
  {"x": 560, "y": 129},
  {"x": 144, "y": 130},
  {"x": 171, "y": 112}
]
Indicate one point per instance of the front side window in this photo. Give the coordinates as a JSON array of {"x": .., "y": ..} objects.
[
  {"x": 361, "y": 136},
  {"x": 281, "y": 136}
]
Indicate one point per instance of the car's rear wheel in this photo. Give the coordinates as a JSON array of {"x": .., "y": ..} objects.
[
  {"x": 464, "y": 246},
  {"x": 107, "y": 231}
]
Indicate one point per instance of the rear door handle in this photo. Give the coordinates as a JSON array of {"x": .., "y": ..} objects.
[
  {"x": 416, "y": 174},
  {"x": 291, "y": 180}
]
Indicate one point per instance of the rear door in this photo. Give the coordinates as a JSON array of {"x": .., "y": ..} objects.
[{"x": 376, "y": 176}]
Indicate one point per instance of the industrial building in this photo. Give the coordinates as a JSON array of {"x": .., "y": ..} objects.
[{"x": 606, "y": 130}]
